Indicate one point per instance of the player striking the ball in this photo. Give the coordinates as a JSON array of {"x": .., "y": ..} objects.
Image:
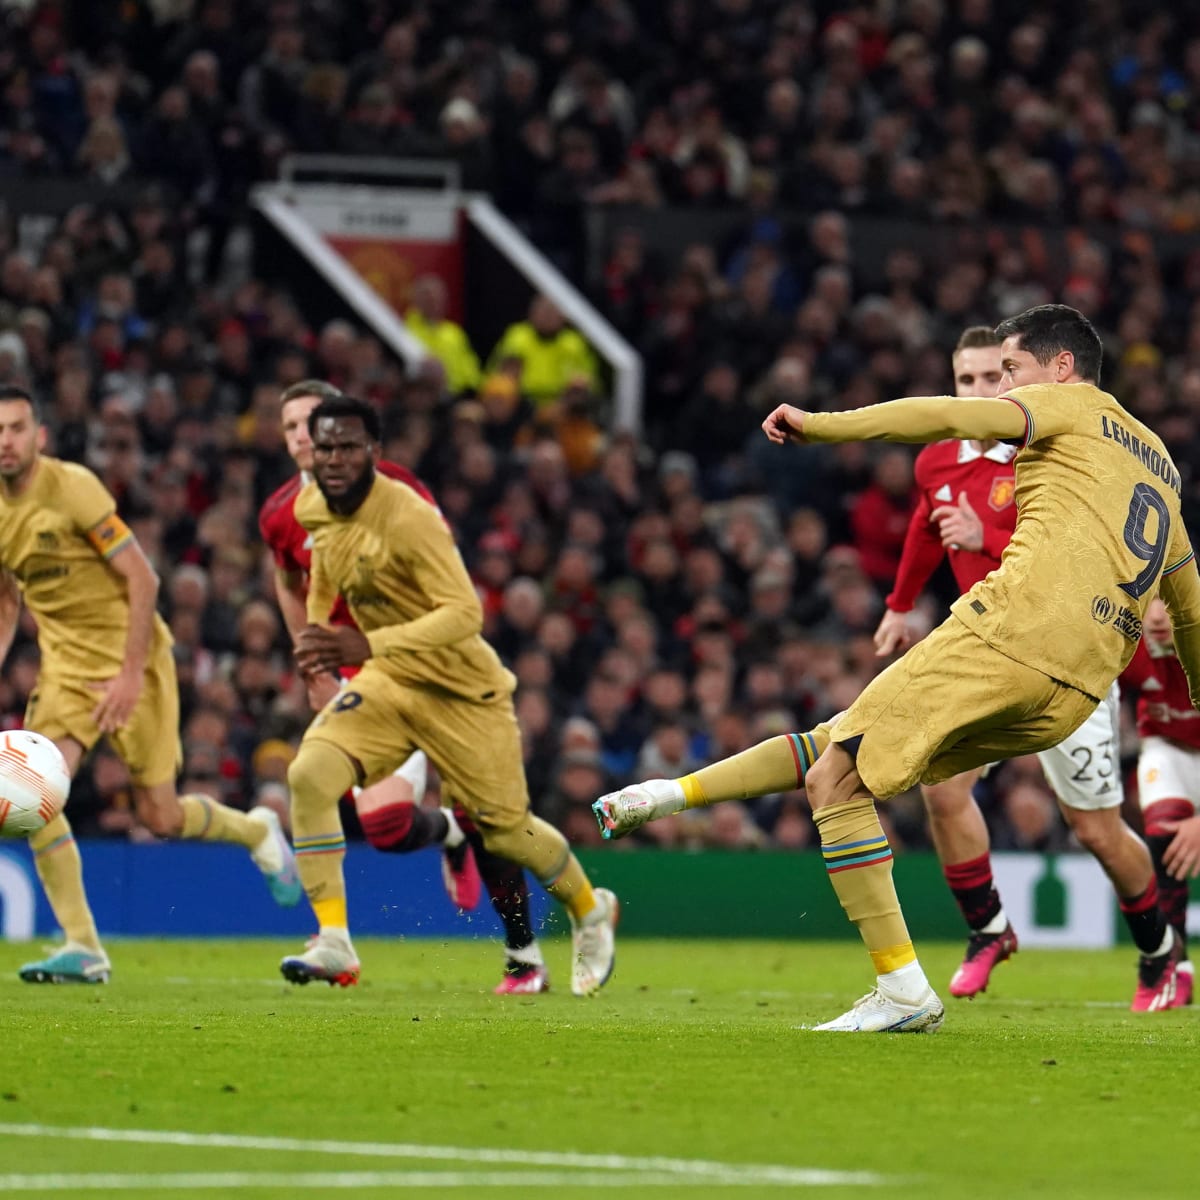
[
  {"x": 1027, "y": 653},
  {"x": 967, "y": 510}
]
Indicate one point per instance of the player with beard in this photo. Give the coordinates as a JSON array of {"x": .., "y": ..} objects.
[
  {"x": 428, "y": 680},
  {"x": 106, "y": 671},
  {"x": 390, "y": 811}
]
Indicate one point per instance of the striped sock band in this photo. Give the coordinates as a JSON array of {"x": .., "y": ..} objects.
[
  {"x": 320, "y": 843},
  {"x": 805, "y": 752},
  {"x": 859, "y": 862},
  {"x": 57, "y": 844},
  {"x": 207, "y": 805},
  {"x": 850, "y": 855},
  {"x": 556, "y": 871}
]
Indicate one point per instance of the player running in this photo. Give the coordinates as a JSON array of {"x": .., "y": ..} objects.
[
  {"x": 390, "y": 811},
  {"x": 1168, "y": 773},
  {"x": 428, "y": 678},
  {"x": 106, "y": 671}
]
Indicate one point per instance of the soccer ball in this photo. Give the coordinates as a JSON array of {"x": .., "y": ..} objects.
[{"x": 34, "y": 782}]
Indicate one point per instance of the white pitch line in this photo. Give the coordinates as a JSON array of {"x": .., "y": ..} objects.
[
  {"x": 1026, "y": 1002},
  {"x": 226, "y": 1181},
  {"x": 678, "y": 1169}
]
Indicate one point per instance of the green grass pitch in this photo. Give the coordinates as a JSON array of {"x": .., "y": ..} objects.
[{"x": 687, "y": 1076}]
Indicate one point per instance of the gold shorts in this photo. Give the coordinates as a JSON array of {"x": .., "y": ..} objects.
[
  {"x": 148, "y": 743},
  {"x": 950, "y": 704},
  {"x": 475, "y": 745}
]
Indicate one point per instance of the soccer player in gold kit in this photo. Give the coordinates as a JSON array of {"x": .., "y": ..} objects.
[
  {"x": 428, "y": 680},
  {"x": 1026, "y": 654},
  {"x": 106, "y": 671}
]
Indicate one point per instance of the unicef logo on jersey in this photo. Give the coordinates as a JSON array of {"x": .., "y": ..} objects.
[{"x": 1102, "y": 609}]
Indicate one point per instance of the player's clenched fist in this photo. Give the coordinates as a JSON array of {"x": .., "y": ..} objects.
[
  {"x": 785, "y": 424},
  {"x": 319, "y": 648}
]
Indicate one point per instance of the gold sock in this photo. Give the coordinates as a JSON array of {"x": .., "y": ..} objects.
[
  {"x": 544, "y": 851},
  {"x": 211, "y": 821},
  {"x": 859, "y": 861},
  {"x": 319, "y": 776},
  {"x": 60, "y": 869},
  {"x": 331, "y": 911},
  {"x": 572, "y": 888},
  {"x": 777, "y": 765}
]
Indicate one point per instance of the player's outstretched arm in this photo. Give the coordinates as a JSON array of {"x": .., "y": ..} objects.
[{"x": 913, "y": 419}]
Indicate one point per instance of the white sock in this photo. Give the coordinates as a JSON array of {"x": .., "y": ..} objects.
[
  {"x": 997, "y": 924},
  {"x": 530, "y": 955},
  {"x": 339, "y": 933},
  {"x": 906, "y": 984},
  {"x": 454, "y": 834},
  {"x": 414, "y": 770}
]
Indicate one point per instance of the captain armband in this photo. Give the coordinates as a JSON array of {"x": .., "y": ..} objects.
[{"x": 109, "y": 536}]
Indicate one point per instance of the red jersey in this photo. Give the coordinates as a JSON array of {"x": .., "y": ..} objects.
[
  {"x": 942, "y": 471},
  {"x": 291, "y": 543},
  {"x": 1164, "y": 707}
]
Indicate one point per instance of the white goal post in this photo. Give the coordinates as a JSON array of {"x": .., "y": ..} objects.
[{"x": 310, "y": 214}]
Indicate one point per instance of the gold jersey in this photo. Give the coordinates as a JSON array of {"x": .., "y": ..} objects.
[
  {"x": 56, "y": 539},
  {"x": 403, "y": 579},
  {"x": 1098, "y": 527}
]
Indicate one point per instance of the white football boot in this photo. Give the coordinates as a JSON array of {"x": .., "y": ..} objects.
[
  {"x": 593, "y": 945},
  {"x": 619, "y": 813},
  {"x": 274, "y": 858},
  {"x": 878, "y": 1012},
  {"x": 329, "y": 958}
]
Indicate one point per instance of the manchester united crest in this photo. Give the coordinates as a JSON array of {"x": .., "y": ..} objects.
[{"x": 1004, "y": 487}]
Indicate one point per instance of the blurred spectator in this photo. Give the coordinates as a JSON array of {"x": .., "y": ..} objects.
[
  {"x": 445, "y": 339},
  {"x": 551, "y": 354},
  {"x": 464, "y": 141},
  {"x": 880, "y": 516}
]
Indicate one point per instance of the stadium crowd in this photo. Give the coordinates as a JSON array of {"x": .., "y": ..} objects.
[{"x": 666, "y": 600}]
